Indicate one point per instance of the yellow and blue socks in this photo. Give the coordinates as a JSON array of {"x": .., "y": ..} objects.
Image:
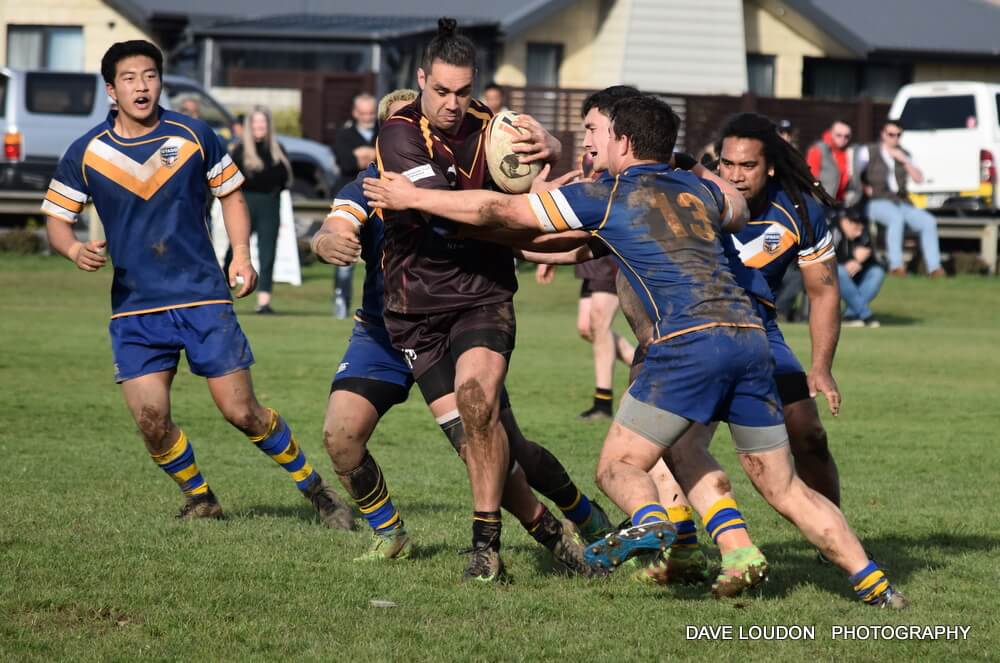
[
  {"x": 687, "y": 534},
  {"x": 651, "y": 513},
  {"x": 603, "y": 399},
  {"x": 178, "y": 462},
  {"x": 573, "y": 504},
  {"x": 724, "y": 516},
  {"x": 870, "y": 583},
  {"x": 367, "y": 487},
  {"x": 279, "y": 443}
]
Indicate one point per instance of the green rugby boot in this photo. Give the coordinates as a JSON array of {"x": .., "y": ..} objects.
[
  {"x": 742, "y": 570},
  {"x": 387, "y": 546}
]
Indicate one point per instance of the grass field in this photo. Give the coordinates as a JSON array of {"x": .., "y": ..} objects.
[{"x": 94, "y": 567}]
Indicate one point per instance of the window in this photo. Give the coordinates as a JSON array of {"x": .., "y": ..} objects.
[
  {"x": 57, "y": 48},
  {"x": 543, "y": 64},
  {"x": 760, "y": 74},
  {"x": 998, "y": 106},
  {"x": 60, "y": 94},
  {"x": 929, "y": 113},
  {"x": 849, "y": 79},
  {"x": 194, "y": 102},
  {"x": 3, "y": 95}
]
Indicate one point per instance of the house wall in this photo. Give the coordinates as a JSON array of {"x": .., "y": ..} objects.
[
  {"x": 686, "y": 47},
  {"x": 101, "y": 25},
  {"x": 767, "y": 35}
]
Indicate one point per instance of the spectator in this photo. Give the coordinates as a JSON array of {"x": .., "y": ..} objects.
[
  {"x": 236, "y": 129},
  {"x": 883, "y": 168},
  {"x": 267, "y": 172},
  {"x": 190, "y": 107},
  {"x": 787, "y": 132},
  {"x": 495, "y": 98},
  {"x": 354, "y": 148},
  {"x": 829, "y": 160},
  {"x": 859, "y": 272}
]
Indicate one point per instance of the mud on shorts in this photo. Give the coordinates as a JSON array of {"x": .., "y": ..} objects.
[
  {"x": 716, "y": 374},
  {"x": 425, "y": 339}
]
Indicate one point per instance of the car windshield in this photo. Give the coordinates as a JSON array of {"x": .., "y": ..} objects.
[
  {"x": 948, "y": 112},
  {"x": 195, "y": 103}
]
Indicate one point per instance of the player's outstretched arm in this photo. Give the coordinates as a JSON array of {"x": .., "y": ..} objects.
[
  {"x": 88, "y": 256},
  {"x": 337, "y": 242},
  {"x": 236, "y": 216},
  {"x": 820, "y": 280},
  {"x": 477, "y": 208},
  {"x": 576, "y": 256}
]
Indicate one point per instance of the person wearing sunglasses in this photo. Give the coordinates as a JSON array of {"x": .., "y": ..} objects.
[{"x": 884, "y": 169}]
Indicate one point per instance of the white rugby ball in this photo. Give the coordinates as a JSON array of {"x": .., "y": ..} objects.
[{"x": 503, "y": 163}]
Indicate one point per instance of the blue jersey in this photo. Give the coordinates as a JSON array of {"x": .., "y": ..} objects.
[
  {"x": 351, "y": 204},
  {"x": 663, "y": 227},
  {"x": 772, "y": 239},
  {"x": 150, "y": 195}
]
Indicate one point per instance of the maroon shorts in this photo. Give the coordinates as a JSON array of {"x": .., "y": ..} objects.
[
  {"x": 598, "y": 276},
  {"x": 427, "y": 338}
]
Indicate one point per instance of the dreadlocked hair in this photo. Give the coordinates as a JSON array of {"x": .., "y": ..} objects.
[{"x": 790, "y": 169}]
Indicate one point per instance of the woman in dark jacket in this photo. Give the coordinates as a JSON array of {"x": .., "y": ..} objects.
[{"x": 267, "y": 171}]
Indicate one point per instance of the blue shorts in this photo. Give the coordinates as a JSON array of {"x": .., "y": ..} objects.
[
  {"x": 370, "y": 356},
  {"x": 209, "y": 334},
  {"x": 716, "y": 374}
]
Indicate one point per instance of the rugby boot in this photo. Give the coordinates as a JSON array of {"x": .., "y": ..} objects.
[
  {"x": 561, "y": 540},
  {"x": 333, "y": 511},
  {"x": 597, "y": 526},
  {"x": 649, "y": 568},
  {"x": 892, "y": 599},
  {"x": 687, "y": 566},
  {"x": 742, "y": 570},
  {"x": 485, "y": 566},
  {"x": 620, "y": 546},
  {"x": 386, "y": 546},
  {"x": 201, "y": 506},
  {"x": 596, "y": 413}
]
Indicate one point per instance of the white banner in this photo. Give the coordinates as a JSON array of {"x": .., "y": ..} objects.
[{"x": 286, "y": 260}]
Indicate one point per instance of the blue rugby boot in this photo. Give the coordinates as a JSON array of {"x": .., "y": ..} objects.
[{"x": 620, "y": 546}]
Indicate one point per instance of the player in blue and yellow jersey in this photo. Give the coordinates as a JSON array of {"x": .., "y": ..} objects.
[
  {"x": 373, "y": 376},
  {"x": 147, "y": 171},
  {"x": 709, "y": 358},
  {"x": 788, "y": 224}
]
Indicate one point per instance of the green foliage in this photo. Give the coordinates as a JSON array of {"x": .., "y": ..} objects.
[
  {"x": 94, "y": 567},
  {"x": 21, "y": 241},
  {"x": 287, "y": 121}
]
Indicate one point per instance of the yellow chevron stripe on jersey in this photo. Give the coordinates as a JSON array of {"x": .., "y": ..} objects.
[{"x": 144, "y": 179}]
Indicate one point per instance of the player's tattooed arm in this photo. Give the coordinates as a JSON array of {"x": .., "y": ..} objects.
[
  {"x": 88, "y": 256},
  {"x": 236, "y": 216},
  {"x": 822, "y": 288}
]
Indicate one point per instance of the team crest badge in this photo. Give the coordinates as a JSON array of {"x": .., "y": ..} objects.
[
  {"x": 772, "y": 240},
  {"x": 168, "y": 155}
]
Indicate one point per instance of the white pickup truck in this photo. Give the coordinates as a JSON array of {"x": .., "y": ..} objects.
[{"x": 952, "y": 130}]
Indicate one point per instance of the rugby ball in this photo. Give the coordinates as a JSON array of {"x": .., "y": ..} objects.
[{"x": 503, "y": 163}]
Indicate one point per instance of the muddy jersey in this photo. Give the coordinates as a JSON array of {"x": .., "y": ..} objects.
[
  {"x": 663, "y": 226},
  {"x": 427, "y": 270}
]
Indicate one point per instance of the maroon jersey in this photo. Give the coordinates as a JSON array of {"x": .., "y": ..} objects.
[{"x": 426, "y": 269}]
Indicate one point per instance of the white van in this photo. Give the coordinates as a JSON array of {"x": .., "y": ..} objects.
[{"x": 952, "y": 130}]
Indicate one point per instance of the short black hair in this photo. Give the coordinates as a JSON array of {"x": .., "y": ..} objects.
[
  {"x": 495, "y": 86},
  {"x": 449, "y": 46},
  {"x": 127, "y": 49},
  {"x": 894, "y": 121},
  {"x": 650, "y": 123},
  {"x": 604, "y": 99}
]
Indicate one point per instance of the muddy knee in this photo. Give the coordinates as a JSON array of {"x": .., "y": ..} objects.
[
  {"x": 248, "y": 419},
  {"x": 154, "y": 425},
  {"x": 474, "y": 409},
  {"x": 345, "y": 447}
]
